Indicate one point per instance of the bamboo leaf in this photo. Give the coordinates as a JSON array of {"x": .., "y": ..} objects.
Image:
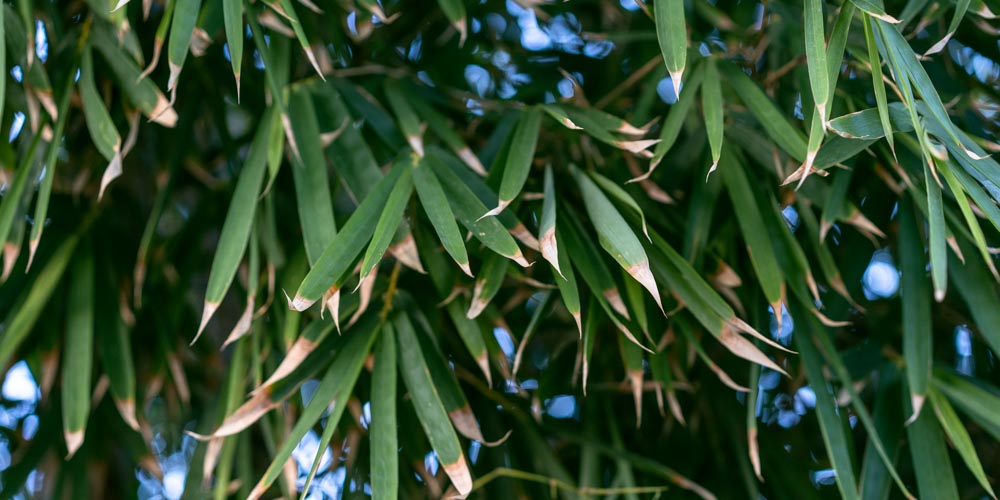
[
  {"x": 405, "y": 115},
  {"x": 959, "y": 438},
  {"x": 99, "y": 124},
  {"x": 936, "y": 235},
  {"x": 621, "y": 196},
  {"x": 236, "y": 228},
  {"x": 547, "y": 226},
  {"x": 978, "y": 401},
  {"x": 867, "y": 124},
  {"x": 439, "y": 125},
  {"x": 819, "y": 78},
  {"x": 141, "y": 91},
  {"x": 961, "y": 7},
  {"x": 77, "y": 360},
  {"x": 831, "y": 427},
  {"x": 519, "y": 158},
  {"x": 232, "y": 11},
  {"x": 331, "y": 269},
  {"x": 767, "y": 114},
  {"x": 875, "y": 9},
  {"x": 382, "y": 430},
  {"x": 454, "y": 10},
  {"x": 711, "y": 104},
  {"x": 181, "y": 28},
  {"x": 332, "y": 392},
  {"x": 389, "y": 220},
  {"x": 671, "y": 32},
  {"x": 748, "y": 216},
  {"x": 485, "y": 195},
  {"x": 312, "y": 184},
  {"x": 288, "y": 10},
  {"x": 916, "y": 294},
  {"x": 875, "y": 61},
  {"x": 585, "y": 256},
  {"x": 45, "y": 187},
  {"x": 488, "y": 283},
  {"x": 616, "y": 237},
  {"x": 931, "y": 464},
  {"x": 430, "y": 410},
  {"x": 975, "y": 284},
  {"x": 568, "y": 290},
  {"x": 3, "y": 60},
  {"x": 115, "y": 348},
  {"x": 436, "y": 206},
  {"x": 466, "y": 206}
]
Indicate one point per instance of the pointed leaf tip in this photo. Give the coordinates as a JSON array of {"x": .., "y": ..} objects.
[
  {"x": 496, "y": 211},
  {"x": 460, "y": 475},
  {"x": 206, "y": 316},
  {"x": 74, "y": 439},
  {"x": 112, "y": 172}
]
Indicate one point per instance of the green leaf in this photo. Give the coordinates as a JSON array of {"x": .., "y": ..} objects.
[
  {"x": 405, "y": 115},
  {"x": 583, "y": 253},
  {"x": 867, "y": 124},
  {"x": 382, "y": 429},
  {"x": 931, "y": 464},
  {"x": 330, "y": 270},
  {"x": 288, "y": 11},
  {"x": 959, "y": 438},
  {"x": 332, "y": 393},
  {"x": 875, "y": 9},
  {"x": 566, "y": 282},
  {"x": 236, "y": 229},
  {"x": 547, "y": 225},
  {"x": 615, "y": 235},
  {"x": 488, "y": 283},
  {"x": 978, "y": 401},
  {"x": 519, "y": 158},
  {"x": 389, "y": 220},
  {"x": 961, "y": 7},
  {"x": 51, "y": 160},
  {"x": 436, "y": 206},
  {"x": 622, "y": 197},
  {"x": 469, "y": 209},
  {"x": 767, "y": 114},
  {"x": 312, "y": 183},
  {"x": 115, "y": 348},
  {"x": 454, "y": 10},
  {"x": 711, "y": 104},
  {"x": 671, "y": 33},
  {"x": 141, "y": 91},
  {"x": 3, "y": 60},
  {"x": 748, "y": 216},
  {"x": 78, "y": 358},
  {"x": 816, "y": 64},
  {"x": 977, "y": 287},
  {"x": 484, "y": 193},
  {"x": 232, "y": 11},
  {"x": 99, "y": 124},
  {"x": 181, "y": 29},
  {"x": 916, "y": 298},
  {"x": 430, "y": 410},
  {"x": 875, "y": 61},
  {"x": 835, "y": 439},
  {"x": 936, "y": 235},
  {"x": 439, "y": 125}
]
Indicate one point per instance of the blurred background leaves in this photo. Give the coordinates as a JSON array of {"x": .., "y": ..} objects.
[{"x": 689, "y": 249}]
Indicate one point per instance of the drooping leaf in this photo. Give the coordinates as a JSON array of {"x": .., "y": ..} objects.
[
  {"x": 78, "y": 358},
  {"x": 430, "y": 410},
  {"x": 236, "y": 228},
  {"x": 671, "y": 32}
]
